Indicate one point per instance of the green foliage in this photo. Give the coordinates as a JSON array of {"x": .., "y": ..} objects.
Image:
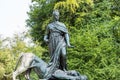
[
  {"x": 9, "y": 53},
  {"x": 5, "y": 61},
  {"x": 68, "y": 5},
  {"x": 94, "y": 27},
  {"x": 116, "y": 29},
  {"x": 39, "y": 17},
  {"x": 95, "y": 53}
]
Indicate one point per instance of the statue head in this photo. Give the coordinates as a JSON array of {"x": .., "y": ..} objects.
[{"x": 56, "y": 15}]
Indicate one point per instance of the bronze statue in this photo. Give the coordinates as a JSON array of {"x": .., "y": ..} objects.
[
  {"x": 57, "y": 38},
  {"x": 28, "y": 61}
]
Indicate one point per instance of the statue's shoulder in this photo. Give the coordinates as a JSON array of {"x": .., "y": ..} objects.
[
  {"x": 58, "y": 23},
  {"x": 61, "y": 24},
  {"x": 50, "y": 25}
]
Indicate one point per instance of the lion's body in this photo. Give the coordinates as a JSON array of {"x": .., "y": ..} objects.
[{"x": 28, "y": 61}]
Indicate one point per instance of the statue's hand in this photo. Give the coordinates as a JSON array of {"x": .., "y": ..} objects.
[
  {"x": 70, "y": 46},
  {"x": 46, "y": 40}
]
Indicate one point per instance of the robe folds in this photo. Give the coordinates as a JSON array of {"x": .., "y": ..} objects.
[{"x": 56, "y": 32}]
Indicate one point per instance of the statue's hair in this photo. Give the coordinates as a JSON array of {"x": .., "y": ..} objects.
[{"x": 55, "y": 12}]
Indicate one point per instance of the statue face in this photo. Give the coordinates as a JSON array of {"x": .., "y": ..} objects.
[{"x": 56, "y": 15}]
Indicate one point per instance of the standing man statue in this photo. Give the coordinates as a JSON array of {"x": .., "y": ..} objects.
[{"x": 57, "y": 38}]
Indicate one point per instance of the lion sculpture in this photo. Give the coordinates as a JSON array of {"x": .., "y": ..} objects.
[{"x": 28, "y": 61}]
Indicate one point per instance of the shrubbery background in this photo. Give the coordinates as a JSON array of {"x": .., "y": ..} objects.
[{"x": 94, "y": 28}]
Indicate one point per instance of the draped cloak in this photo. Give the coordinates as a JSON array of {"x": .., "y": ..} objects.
[{"x": 56, "y": 34}]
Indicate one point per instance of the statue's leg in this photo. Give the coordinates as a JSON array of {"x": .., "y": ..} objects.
[
  {"x": 83, "y": 77},
  {"x": 14, "y": 76},
  {"x": 63, "y": 75},
  {"x": 73, "y": 73},
  {"x": 63, "y": 61},
  {"x": 76, "y": 74},
  {"x": 27, "y": 74},
  {"x": 20, "y": 70}
]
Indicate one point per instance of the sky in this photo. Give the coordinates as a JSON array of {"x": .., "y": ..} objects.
[{"x": 12, "y": 16}]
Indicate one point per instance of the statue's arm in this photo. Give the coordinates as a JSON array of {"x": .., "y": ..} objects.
[
  {"x": 46, "y": 36},
  {"x": 67, "y": 39}
]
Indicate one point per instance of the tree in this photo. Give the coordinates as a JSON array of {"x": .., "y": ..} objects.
[
  {"x": 94, "y": 31},
  {"x": 10, "y": 49}
]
